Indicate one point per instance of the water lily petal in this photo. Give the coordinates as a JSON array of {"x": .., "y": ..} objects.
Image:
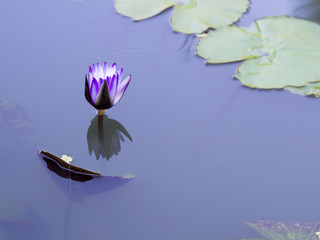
[
  {"x": 112, "y": 70},
  {"x": 100, "y": 82},
  {"x": 94, "y": 90},
  {"x": 87, "y": 92},
  {"x": 105, "y": 68},
  {"x": 121, "y": 89},
  {"x": 113, "y": 86},
  {"x": 108, "y": 81},
  {"x": 120, "y": 72},
  {"x": 103, "y": 87},
  {"x": 99, "y": 72},
  {"x": 89, "y": 78}
]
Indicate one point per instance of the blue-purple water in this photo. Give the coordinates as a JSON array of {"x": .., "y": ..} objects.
[{"x": 207, "y": 153}]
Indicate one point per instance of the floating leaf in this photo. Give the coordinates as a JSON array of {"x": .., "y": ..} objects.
[
  {"x": 279, "y": 51},
  {"x": 311, "y": 89},
  {"x": 189, "y": 16},
  {"x": 251, "y": 239},
  {"x": 286, "y": 231},
  {"x": 83, "y": 185},
  {"x": 66, "y": 170}
]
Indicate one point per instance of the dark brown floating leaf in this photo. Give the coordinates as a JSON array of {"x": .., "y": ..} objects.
[{"x": 67, "y": 170}]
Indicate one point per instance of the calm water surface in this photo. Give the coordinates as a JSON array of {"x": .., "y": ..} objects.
[{"x": 207, "y": 154}]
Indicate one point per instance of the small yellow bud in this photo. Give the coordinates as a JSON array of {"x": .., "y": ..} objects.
[{"x": 66, "y": 158}]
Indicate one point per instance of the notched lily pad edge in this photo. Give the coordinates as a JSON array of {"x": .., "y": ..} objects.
[
  {"x": 241, "y": 61},
  {"x": 211, "y": 28},
  {"x": 172, "y": 5},
  {"x": 284, "y": 86},
  {"x": 205, "y": 33},
  {"x": 137, "y": 19}
]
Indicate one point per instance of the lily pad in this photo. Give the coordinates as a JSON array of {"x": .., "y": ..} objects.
[
  {"x": 272, "y": 230},
  {"x": 279, "y": 51},
  {"x": 189, "y": 16},
  {"x": 251, "y": 239},
  {"x": 311, "y": 89}
]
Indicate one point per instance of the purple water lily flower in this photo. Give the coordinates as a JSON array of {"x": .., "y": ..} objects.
[{"x": 103, "y": 86}]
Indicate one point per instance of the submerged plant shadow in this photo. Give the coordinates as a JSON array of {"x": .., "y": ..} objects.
[
  {"x": 104, "y": 137},
  {"x": 309, "y": 9},
  {"x": 18, "y": 219},
  {"x": 78, "y": 185},
  {"x": 273, "y": 230}
]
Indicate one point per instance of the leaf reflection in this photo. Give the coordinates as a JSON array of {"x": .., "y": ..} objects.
[
  {"x": 16, "y": 127},
  {"x": 188, "y": 45},
  {"x": 308, "y": 9},
  {"x": 79, "y": 185},
  {"x": 104, "y": 137},
  {"x": 272, "y": 230}
]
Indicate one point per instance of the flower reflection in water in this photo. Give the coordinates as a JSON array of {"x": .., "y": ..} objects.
[{"x": 104, "y": 137}]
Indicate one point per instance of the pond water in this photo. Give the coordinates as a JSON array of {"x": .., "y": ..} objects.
[{"x": 207, "y": 153}]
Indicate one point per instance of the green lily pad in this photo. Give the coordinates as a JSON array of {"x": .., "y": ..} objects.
[
  {"x": 311, "y": 89},
  {"x": 279, "y": 52},
  {"x": 189, "y": 16},
  {"x": 272, "y": 230},
  {"x": 251, "y": 239}
]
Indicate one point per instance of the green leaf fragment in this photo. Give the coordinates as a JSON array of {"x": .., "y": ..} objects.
[
  {"x": 272, "y": 230},
  {"x": 189, "y": 16},
  {"x": 251, "y": 239},
  {"x": 141, "y": 9},
  {"x": 279, "y": 51},
  {"x": 311, "y": 89},
  {"x": 207, "y": 14}
]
